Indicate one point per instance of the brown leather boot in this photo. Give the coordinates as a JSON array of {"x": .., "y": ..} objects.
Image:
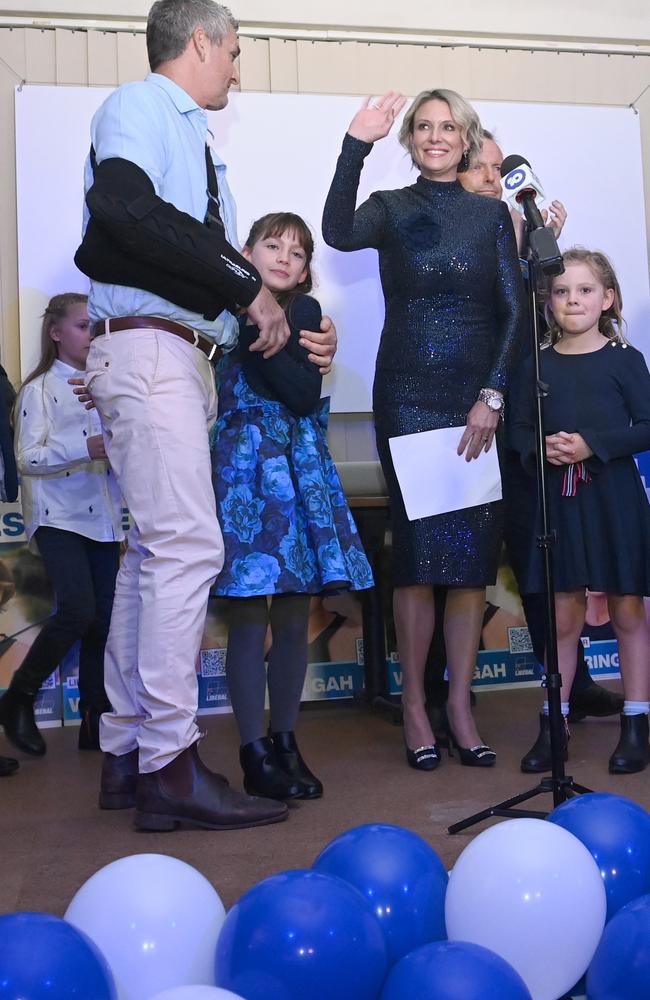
[
  {"x": 119, "y": 781},
  {"x": 186, "y": 791}
]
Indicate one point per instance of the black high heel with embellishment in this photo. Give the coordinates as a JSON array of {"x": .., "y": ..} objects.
[
  {"x": 424, "y": 758},
  {"x": 478, "y": 756}
]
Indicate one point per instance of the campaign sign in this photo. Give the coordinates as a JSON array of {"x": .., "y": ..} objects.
[{"x": 69, "y": 670}]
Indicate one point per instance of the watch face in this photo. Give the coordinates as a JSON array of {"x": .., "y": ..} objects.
[{"x": 495, "y": 404}]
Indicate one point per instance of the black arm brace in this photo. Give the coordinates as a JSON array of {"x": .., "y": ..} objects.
[{"x": 135, "y": 238}]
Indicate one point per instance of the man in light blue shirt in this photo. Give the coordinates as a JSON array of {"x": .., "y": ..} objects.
[
  {"x": 130, "y": 128},
  {"x": 160, "y": 248}
]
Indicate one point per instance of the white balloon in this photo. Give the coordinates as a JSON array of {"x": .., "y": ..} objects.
[
  {"x": 156, "y": 920},
  {"x": 535, "y": 898},
  {"x": 197, "y": 993}
]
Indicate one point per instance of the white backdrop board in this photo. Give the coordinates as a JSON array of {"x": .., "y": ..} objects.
[{"x": 281, "y": 150}]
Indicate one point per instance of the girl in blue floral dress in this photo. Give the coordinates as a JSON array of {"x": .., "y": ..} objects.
[{"x": 287, "y": 528}]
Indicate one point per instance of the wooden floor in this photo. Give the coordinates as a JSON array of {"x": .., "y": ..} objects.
[{"x": 53, "y": 836}]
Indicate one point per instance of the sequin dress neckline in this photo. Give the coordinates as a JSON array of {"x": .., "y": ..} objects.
[{"x": 438, "y": 187}]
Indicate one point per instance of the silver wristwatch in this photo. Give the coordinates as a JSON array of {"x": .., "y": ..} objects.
[{"x": 492, "y": 399}]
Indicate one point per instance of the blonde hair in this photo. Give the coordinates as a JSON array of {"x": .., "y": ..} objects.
[
  {"x": 611, "y": 323},
  {"x": 55, "y": 311},
  {"x": 462, "y": 113}
]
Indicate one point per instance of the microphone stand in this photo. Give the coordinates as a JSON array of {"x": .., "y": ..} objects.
[{"x": 560, "y": 785}]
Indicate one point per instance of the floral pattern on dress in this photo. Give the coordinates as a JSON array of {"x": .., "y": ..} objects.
[{"x": 286, "y": 524}]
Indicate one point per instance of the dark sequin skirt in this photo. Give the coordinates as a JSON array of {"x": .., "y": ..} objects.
[{"x": 457, "y": 549}]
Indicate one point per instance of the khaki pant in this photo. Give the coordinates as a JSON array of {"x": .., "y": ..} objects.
[{"x": 156, "y": 398}]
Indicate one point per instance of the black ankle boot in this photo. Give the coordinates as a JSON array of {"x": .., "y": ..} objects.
[
  {"x": 263, "y": 775},
  {"x": 17, "y": 717},
  {"x": 538, "y": 758},
  {"x": 290, "y": 760},
  {"x": 7, "y": 766},
  {"x": 633, "y": 750}
]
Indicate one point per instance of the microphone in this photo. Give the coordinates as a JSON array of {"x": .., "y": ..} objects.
[
  {"x": 521, "y": 186},
  {"x": 523, "y": 190}
]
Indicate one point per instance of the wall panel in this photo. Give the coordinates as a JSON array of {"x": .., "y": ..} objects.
[
  {"x": 255, "y": 64},
  {"x": 283, "y": 65},
  {"x": 132, "y": 63},
  {"x": 456, "y": 68},
  {"x": 71, "y": 56},
  {"x": 40, "y": 56},
  {"x": 328, "y": 67},
  {"x": 102, "y": 58},
  {"x": 420, "y": 68}
]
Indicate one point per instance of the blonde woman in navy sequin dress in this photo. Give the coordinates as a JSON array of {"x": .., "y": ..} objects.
[{"x": 454, "y": 310}]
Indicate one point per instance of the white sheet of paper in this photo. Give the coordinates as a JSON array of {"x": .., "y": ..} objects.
[{"x": 434, "y": 479}]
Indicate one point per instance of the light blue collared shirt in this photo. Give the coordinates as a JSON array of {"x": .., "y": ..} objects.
[{"x": 155, "y": 124}]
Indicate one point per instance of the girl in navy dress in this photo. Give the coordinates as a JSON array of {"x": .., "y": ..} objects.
[
  {"x": 287, "y": 529},
  {"x": 597, "y": 417}
]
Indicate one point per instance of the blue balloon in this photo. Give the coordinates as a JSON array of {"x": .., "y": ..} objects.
[
  {"x": 620, "y": 969},
  {"x": 301, "y": 935},
  {"x": 400, "y": 875},
  {"x": 43, "y": 956},
  {"x": 616, "y": 831},
  {"x": 454, "y": 970}
]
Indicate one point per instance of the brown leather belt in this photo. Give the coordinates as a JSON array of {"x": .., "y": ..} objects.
[{"x": 212, "y": 351}]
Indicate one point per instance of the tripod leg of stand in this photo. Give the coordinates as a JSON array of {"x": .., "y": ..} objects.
[
  {"x": 577, "y": 789},
  {"x": 505, "y": 808},
  {"x": 508, "y": 808}
]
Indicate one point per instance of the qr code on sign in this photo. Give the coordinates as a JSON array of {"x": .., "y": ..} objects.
[
  {"x": 519, "y": 640},
  {"x": 213, "y": 662}
]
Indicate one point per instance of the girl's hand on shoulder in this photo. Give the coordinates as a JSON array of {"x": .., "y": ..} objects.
[
  {"x": 564, "y": 448},
  {"x": 95, "y": 445},
  {"x": 375, "y": 118}
]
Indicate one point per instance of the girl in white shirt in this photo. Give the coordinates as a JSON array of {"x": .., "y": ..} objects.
[{"x": 73, "y": 512}]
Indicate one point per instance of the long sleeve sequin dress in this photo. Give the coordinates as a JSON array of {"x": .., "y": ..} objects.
[{"x": 454, "y": 310}]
